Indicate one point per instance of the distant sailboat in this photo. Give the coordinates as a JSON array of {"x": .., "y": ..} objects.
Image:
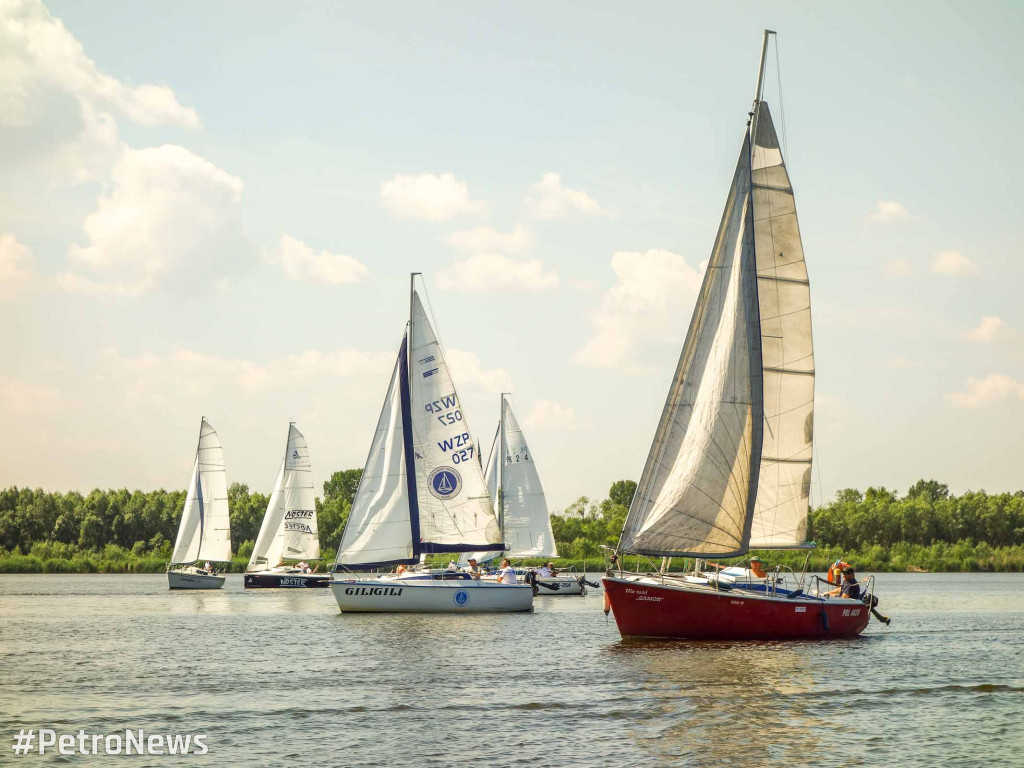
[
  {"x": 730, "y": 465},
  {"x": 522, "y": 508},
  {"x": 422, "y": 492},
  {"x": 289, "y": 530},
  {"x": 204, "y": 533}
]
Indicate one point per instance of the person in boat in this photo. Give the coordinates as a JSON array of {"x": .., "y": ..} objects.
[
  {"x": 545, "y": 571},
  {"x": 835, "y": 572},
  {"x": 756, "y": 570},
  {"x": 849, "y": 588},
  {"x": 473, "y": 569},
  {"x": 507, "y": 574},
  {"x": 303, "y": 566},
  {"x": 208, "y": 567},
  {"x": 400, "y": 569}
]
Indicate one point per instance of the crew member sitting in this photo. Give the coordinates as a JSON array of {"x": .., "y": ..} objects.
[
  {"x": 849, "y": 588},
  {"x": 835, "y": 572},
  {"x": 208, "y": 568},
  {"x": 544, "y": 571},
  {"x": 473, "y": 569},
  {"x": 507, "y": 574}
]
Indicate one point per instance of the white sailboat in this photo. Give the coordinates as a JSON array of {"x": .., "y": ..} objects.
[
  {"x": 204, "y": 533},
  {"x": 289, "y": 530},
  {"x": 730, "y": 465},
  {"x": 522, "y": 508},
  {"x": 422, "y": 492}
]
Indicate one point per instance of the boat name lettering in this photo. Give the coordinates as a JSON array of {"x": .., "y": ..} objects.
[
  {"x": 851, "y": 611},
  {"x": 306, "y": 513},
  {"x": 287, "y": 581},
  {"x": 301, "y": 527},
  {"x": 444, "y": 404},
  {"x": 375, "y": 591},
  {"x": 735, "y": 602},
  {"x": 801, "y": 609}
]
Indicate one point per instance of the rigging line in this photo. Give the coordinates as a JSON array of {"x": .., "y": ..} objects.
[{"x": 782, "y": 104}]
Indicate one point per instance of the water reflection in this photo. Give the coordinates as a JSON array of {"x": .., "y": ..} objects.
[{"x": 728, "y": 701}]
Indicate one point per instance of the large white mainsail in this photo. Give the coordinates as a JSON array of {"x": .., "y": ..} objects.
[
  {"x": 289, "y": 529},
  {"x": 205, "y": 528},
  {"x": 784, "y": 296},
  {"x": 454, "y": 508},
  {"x": 697, "y": 491}
]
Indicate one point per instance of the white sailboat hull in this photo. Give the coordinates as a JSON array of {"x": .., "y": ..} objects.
[
  {"x": 194, "y": 580},
  {"x": 411, "y": 596},
  {"x": 558, "y": 586}
]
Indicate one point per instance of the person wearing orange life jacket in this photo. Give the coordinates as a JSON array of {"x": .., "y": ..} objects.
[{"x": 835, "y": 572}]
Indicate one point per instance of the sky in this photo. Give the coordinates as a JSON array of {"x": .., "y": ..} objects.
[{"x": 212, "y": 209}]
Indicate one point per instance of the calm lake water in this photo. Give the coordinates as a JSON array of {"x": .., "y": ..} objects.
[{"x": 281, "y": 678}]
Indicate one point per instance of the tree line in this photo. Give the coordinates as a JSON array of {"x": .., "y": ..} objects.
[{"x": 927, "y": 524}]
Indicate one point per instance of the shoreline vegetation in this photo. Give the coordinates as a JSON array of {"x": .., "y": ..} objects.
[{"x": 121, "y": 531}]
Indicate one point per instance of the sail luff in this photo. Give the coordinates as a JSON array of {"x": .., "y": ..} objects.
[{"x": 216, "y": 538}]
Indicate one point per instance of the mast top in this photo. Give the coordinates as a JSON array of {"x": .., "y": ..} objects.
[{"x": 760, "y": 68}]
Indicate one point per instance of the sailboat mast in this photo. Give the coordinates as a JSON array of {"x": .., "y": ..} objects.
[
  {"x": 501, "y": 469},
  {"x": 199, "y": 487},
  {"x": 760, "y": 68}
]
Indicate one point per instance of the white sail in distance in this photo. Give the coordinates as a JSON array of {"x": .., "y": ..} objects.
[
  {"x": 379, "y": 527},
  {"x": 454, "y": 508},
  {"x": 697, "y": 491},
  {"x": 205, "y": 528},
  {"x": 787, "y": 351},
  {"x": 524, "y": 517},
  {"x": 289, "y": 529}
]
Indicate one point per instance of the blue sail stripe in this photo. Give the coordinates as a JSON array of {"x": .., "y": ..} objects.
[{"x": 410, "y": 457}]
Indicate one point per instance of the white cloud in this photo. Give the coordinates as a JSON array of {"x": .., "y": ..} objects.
[
  {"x": 469, "y": 374},
  {"x": 301, "y": 262},
  {"x": 651, "y": 301},
  {"x": 550, "y": 415},
  {"x": 57, "y": 107},
  {"x": 990, "y": 330},
  {"x": 428, "y": 196},
  {"x": 898, "y": 268},
  {"x": 487, "y": 271},
  {"x": 982, "y": 392},
  {"x": 15, "y": 260},
  {"x": 548, "y": 199},
  {"x": 952, "y": 263},
  {"x": 889, "y": 210},
  {"x": 185, "y": 379},
  {"x": 169, "y": 216},
  {"x": 489, "y": 240},
  {"x": 22, "y": 399}
]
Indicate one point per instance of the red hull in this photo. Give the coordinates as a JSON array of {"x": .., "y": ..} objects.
[{"x": 692, "y": 612}]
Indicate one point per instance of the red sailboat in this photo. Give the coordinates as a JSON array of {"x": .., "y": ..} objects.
[{"x": 730, "y": 466}]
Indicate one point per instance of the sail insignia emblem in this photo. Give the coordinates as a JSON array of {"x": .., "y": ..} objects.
[
  {"x": 445, "y": 483},
  {"x": 295, "y": 454},
  {"x": 461, "y": 597}
]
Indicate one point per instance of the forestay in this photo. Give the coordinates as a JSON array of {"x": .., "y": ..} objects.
[
  {"x": 455, "y": 513},
  {"x": 379, "y": 527},
  {"x": 289, "y": 530},
  {"x": 205, "y": 528},
  {"x": 698, "y": 488},
  {"x": 780, "y": 515}
]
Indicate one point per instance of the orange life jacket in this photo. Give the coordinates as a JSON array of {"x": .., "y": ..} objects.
[{"x": 835, "y": 572}]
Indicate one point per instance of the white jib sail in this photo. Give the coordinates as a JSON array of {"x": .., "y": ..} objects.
[
  {"x": 455, "y": 512},
  {"x": 526, "y": 522},
  {"x": 491, "y": 478},
  {"x": 379, "y": 528},
  {"x": 696, "y": 494},
  {"x": 783, "y": 489},
  {"x": 289, "y": 529},
  {"x": 205, "y": 528}
]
